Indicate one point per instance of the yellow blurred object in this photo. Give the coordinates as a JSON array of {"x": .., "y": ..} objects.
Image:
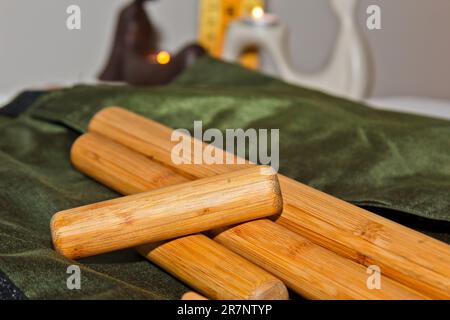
[
  {"x": 257, "y": 12},
  {"x": 215, "y": 15},
  {"x": 163, "y": 57}
]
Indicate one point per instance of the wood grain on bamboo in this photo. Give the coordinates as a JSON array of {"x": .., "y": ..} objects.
[
  {"x": 411, "y": 257},
  {"x": 167, "y": 213},
  {"x": 196, "y": 260},
  {"x": 308, "y": 269},
  {"x": 311, "y": 271},
  {"x": 181, "y": 257}
]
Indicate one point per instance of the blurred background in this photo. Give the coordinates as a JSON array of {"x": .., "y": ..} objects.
[{"x": 410, "y": 53}]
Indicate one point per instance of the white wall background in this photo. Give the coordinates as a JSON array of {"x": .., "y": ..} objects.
[{"x": 411, "y": 53}]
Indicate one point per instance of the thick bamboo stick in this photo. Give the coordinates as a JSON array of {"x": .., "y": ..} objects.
[
  {"x": 413, "y": 258},
  {"x": 305, "y": 267},
  {"x": 167, "y": 213},
  {"x": 181, "y": 256},
  {"x": 99, "y": 157}
]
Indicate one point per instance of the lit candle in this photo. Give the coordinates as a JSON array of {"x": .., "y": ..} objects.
[
  {"x": 259, "y": 18},
  {"x": 161, "y": 57}
]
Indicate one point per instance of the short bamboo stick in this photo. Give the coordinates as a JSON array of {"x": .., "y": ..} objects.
[
  {"x": 413, "y": 258},
  {"x": 167, "y": 213},
  {"x": 103, "y": 157},
  {"x": 180, "y": 257},
  {"x": 193, "y": 259}
]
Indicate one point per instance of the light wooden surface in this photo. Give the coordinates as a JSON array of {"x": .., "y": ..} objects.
[
  {"x": 314, "y": 263},
  {"x": 128, "y": 172},
  {"x": 167, "y": 213},
  {"x": 98, "y": 157},
  {"x": 181, "y": 258},
  {"x": 415, "y": 259},
  {"x": 308, "y": 269},
  {"x": 405, "y": 255},
  {"x": 153, "y": 139},
  {"x": 119, "y": 167}
]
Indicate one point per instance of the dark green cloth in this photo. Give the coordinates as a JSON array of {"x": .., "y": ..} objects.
[{"x": 395, "y": 164}]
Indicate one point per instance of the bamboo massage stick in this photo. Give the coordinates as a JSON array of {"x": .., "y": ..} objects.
[
  {"x": 312, "y": 270},
  {"x": 167, "y": 213},
  {"x": 308, "y": 269},
  {"x": 181, "y": 257},
  {"x": 410, "y": 257},
  {"x": 196, "y": 259}
]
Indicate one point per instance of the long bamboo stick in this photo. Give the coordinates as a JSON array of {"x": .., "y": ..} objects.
[
  {"x": 109, "y": 163},
  {"x": 305, "y": 267},
  {"x": 167, "y": 213},
  {"x": 413, "y": 258},
  {"x": 99, "y": 158}
]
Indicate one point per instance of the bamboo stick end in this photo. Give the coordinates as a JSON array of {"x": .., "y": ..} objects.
[
  {"x": 278, "y": 197},
  {"x": 76, "y": 148},
  {"x": 99, "y": 114},
  {"x": 267, "y": 170},
  {"x": 55, "y": 235},
  {"x": 192, "y": 296},
  {"x": 273, "y": 289}
]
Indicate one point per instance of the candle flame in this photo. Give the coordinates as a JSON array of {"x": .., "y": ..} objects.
[
  {"x": 163, "y": 57},
  {"x": 257, "y": 12}
]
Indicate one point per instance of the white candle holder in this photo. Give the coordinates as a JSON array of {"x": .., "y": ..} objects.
[{"x": 347, "y": 74}]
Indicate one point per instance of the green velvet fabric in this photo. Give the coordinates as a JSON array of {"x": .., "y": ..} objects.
[{"x": 395, "y": 164}]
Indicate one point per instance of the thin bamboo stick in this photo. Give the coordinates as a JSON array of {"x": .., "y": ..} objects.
[
  {"x": 195, "y": 265},
  {"x": 167, "y": 213},
  {"x": 105, "y": 158},
  {"x": 415, "y": 259}
]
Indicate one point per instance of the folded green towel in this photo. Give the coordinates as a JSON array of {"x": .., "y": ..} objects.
[{"x": 395, "y": 164}]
